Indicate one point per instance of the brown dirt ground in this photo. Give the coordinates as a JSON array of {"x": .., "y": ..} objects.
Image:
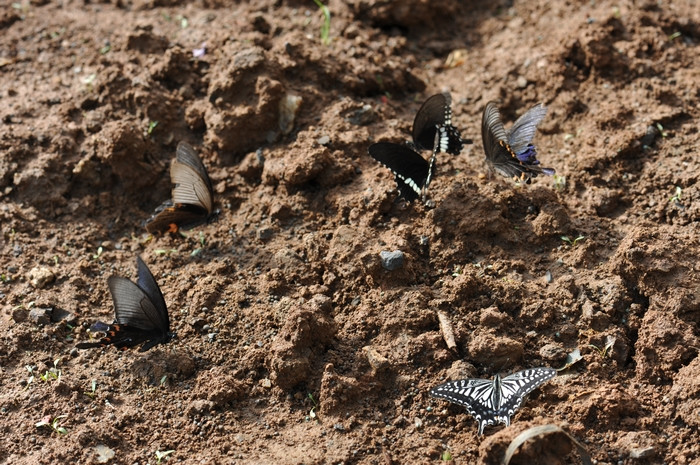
[{"x": 285, "y": 296}]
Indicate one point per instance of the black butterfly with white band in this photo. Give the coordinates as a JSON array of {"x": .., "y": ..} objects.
[
  {"x": 493, "y": 401},
  {"x": 432, "y": 130}
]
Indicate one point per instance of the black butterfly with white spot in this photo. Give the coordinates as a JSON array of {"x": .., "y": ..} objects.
[
  {"x": 511, "y": 153},
  {"x": 493, "y": 401},
  {"x": 432, "y": 130},
  {"x": 140, "y": 314},
  {"x": 435, "y": 115},
  {"x": 412, "y": 172}
]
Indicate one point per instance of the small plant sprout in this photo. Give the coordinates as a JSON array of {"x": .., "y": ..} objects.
[
  {"x": 93, "y": 388},
  {"x": 605, "y": 350},
  {"x": 165, "y": 251},
  {"x": 52, "y": 373},
  {"x": 163, "y": 455},
  {"x": 446, "y": 456},
  {"x": 674, "y": 36},
  {"x": 54, "y": 424},
  {"x": 163, "y": 380},
  {"x": 572, "y": 243},
  {"x": 326, "y": 26},
  {"x": 30, "y": 369},
  {"x": 151, "y": 127},
  {"x": 97, "y": 255},
  {"x": 662, "y": 131},
  {"x": 312, "y": 412},
  {"x": 457, "y": 271},
  {"x": 677, "y": 196},
  {"x": 559, "y": 181}
]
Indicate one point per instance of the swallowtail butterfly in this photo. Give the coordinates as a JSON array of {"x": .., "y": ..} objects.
[
  {"x": 510, "y": 153},
  {"x": 493, "y": 401},
  {"x": 193, "y": 195},
  {"x": 140, "y": 314}
]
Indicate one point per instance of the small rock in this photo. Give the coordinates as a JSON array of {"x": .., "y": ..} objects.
[
  {"x": 59, "y": 314},
  {"x": 40, "y": 276},
  {"x": 104, "y": 453},
  {"x": 521, "y": 82},
  {"x": 363, "y": 116},
  {"x": 392, "y": 260},
  {"x": 642, "y": 453},
  {"x": 264, "y": 233},
  {"x": 266, "y": 383},
  {"x": 40, "y": 316},
  {"x": 324, "y": 140},
  {"x": 375, "y": 359},
  {"x": 19, "y": 314}
]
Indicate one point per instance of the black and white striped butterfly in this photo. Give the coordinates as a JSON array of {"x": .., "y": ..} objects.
[
  {"x": 435, "y": 115},
  {"x": 511, "y": 153},
  {"x": 193, "y": 195},
  {"x": 493, "y": 401},
  {"x": 140, "y": 314}
]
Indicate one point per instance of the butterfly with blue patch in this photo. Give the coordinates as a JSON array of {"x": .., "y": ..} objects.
[{"x": 511, "y": 153}]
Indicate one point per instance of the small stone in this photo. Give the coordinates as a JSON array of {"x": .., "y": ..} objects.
[
  {"x": 19, "y": 314},
  {"x": 363, "y": 116},
  {"x": 266, "y": 383},
  {"x": 392, "y": 260},
  {"x": 521, "y": 82},
  {"x": 264, "y": 233},
  {"x": 324, "y": 140},
  {"x": 59, "y": 314},
  {"x": 104, "y": 453},
  {"x": 40, "y": 276},
  {"x": 642, "y": 452},
  {"x": 40, "y": 316},
  {"x": 375, "y": 359}
]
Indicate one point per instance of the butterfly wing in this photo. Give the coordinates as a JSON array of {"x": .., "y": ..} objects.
[
  {"x": 477, "y": 395},
  {"x": 411, "y": 171},
  {"x": 492, "y": 130},
  {"x": 435, "y": 113},
  {"x": 524, "y": 128},
  {"x": 192, "y": 183},
  {"x": 170, "y": 218},
  {"x": 515, "y": 387},
  {"x": 147, "y": 283}
]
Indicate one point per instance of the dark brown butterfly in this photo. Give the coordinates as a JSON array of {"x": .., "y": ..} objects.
[
  {"x": 436, "y": 115},
  {"x": 511, "y": 153},
  {"x": 193, "y": 196},
  {"x": 140, "y": 314}
]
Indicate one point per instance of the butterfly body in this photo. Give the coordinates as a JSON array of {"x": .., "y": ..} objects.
[
  {"x": 192, "y": 197},
  {"x": 511, "y": 153},
  {"x": 141, "y": 316},
  {"x": 493, "y": 401}
]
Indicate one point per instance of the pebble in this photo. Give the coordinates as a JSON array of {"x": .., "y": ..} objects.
[
  {"x": 392, "y": 260},
  {"x": 40, "y": 276}
]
